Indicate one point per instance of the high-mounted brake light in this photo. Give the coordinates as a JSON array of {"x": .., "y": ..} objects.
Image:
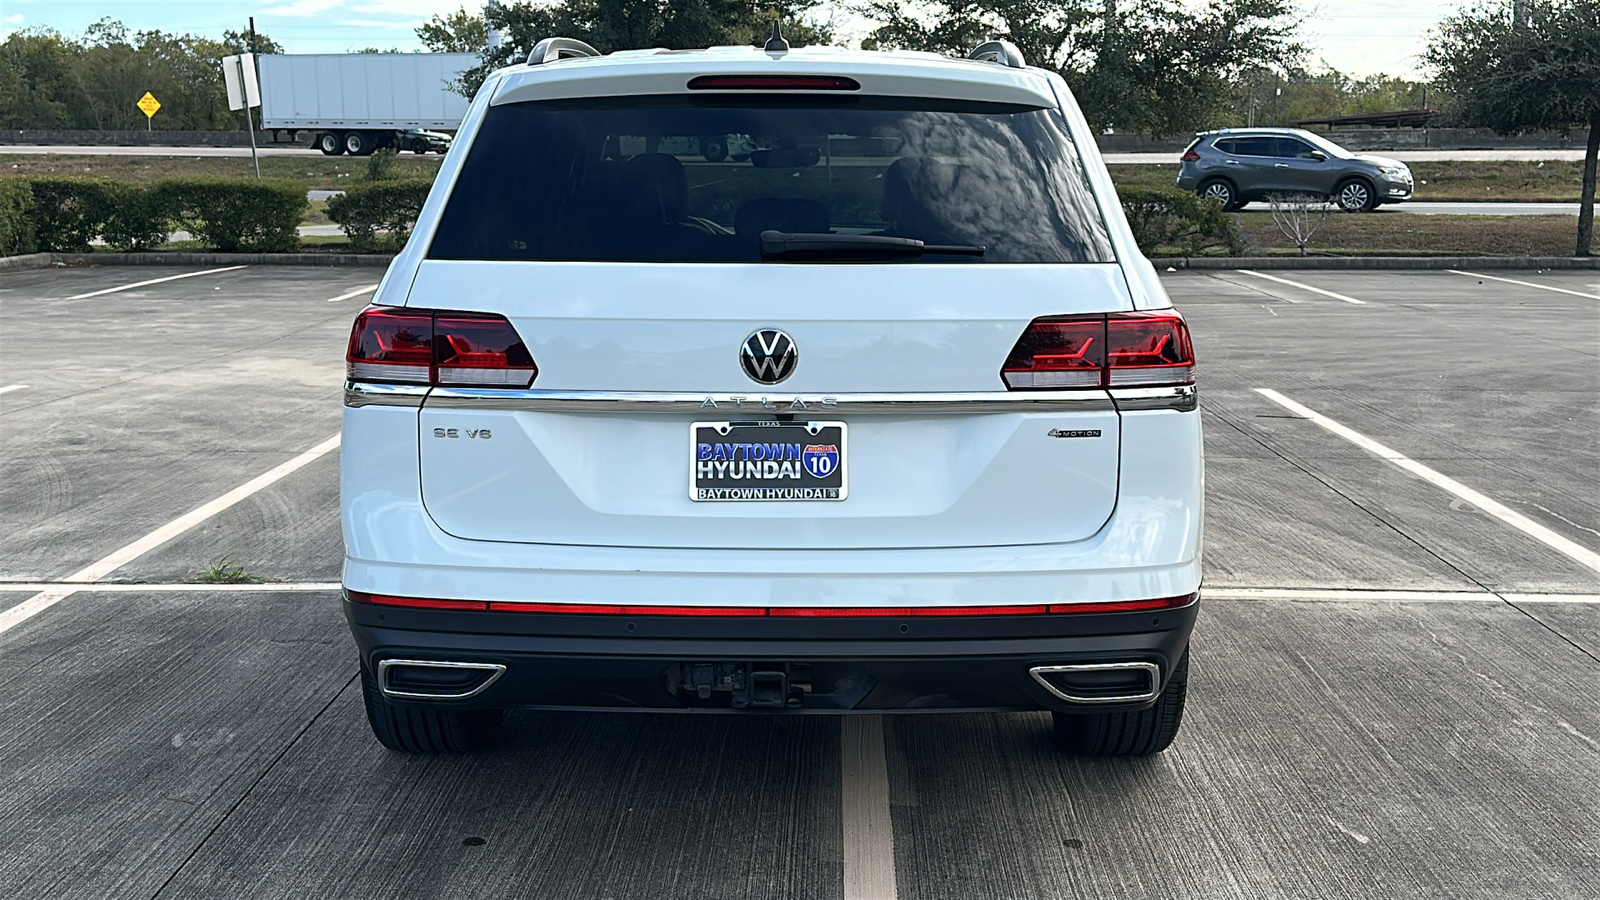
[
  {"x": 1118, "y": 350},
  {"x": 419, "y": 346},
  {"x": 773, "y": 83}
]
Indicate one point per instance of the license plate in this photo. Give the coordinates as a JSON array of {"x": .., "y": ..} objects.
[{"x": 731, "y": 461}]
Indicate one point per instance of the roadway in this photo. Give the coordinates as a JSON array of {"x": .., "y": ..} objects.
[{"x": 1393, "y": 693}]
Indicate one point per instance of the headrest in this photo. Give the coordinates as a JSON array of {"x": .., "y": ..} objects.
[
  {"x": 792, "y": 214},
  {"x": 657, "y": 185}
]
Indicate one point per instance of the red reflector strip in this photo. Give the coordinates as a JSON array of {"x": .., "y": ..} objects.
[
  {"x": 792, "y": 612},
  {"x": 773, "y": 83},
  {"x": 591, "y": 609},
  {"x": 416, "y": 602},
  {"x": 843, "y": 612},
  {"x": 1119, "y": 606}
]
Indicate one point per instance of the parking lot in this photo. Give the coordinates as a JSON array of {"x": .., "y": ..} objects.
[{"x": 1395, "y": 673}]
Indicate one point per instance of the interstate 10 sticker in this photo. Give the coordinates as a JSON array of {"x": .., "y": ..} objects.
[{"x": 770, "y": 461}]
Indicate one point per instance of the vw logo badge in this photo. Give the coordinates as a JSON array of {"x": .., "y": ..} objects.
[{"x": 769, "y": 356}]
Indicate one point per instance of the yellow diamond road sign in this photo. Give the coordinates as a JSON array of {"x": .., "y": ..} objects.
[{"x": 149, "y": 104}]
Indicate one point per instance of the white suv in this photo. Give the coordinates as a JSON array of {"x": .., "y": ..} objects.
[{"x": 889, "y": 415}]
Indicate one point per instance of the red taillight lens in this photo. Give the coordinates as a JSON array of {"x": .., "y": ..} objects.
[
  {"x": 448, "y": 349},
  {"x": 481, "y": 352},
  {"x": 1190, "y": 156},
  {"x": 389, "y": 345},
  {"x": 1148, "y": 349},
  {"x": 773, "y": 83},
  {"x": 1058, "y": 353},
  {"x": 1064, "y": 352}
]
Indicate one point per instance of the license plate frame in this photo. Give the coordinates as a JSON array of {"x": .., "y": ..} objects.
[{"x": 802, "y": 448}]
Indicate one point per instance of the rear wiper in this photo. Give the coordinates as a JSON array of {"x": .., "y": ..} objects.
[{"x": 784, "y": 245}]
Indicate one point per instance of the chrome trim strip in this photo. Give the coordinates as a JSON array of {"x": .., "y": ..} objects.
[
  {"x": 385, "y": 665},
  {"x": 1154, "y": 671},
  {"x": 1181, "y": 397},
  {"x": 769, "y": 402},
  {"x": 358, "y": 394}
]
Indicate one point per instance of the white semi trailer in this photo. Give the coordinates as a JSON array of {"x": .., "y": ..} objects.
[{"x": 357, "y": 102}]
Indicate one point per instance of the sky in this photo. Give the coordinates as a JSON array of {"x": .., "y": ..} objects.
[{"x": 1360, "y": 37}]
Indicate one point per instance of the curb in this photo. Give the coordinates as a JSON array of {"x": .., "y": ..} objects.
[
  {"x": 1370, "y": 263},
  {"x": 45, "y": 260},
  {"x": 25, "y": 261}
]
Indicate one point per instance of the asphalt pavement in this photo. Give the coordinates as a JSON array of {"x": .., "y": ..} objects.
[{"x": 1394, "y": 670}]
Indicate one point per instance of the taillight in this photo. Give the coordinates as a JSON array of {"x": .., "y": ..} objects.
[
  {"x": 1190, "y": 156},
  {"x": 480, "y": 352},
  {"x": 449, "y": 349},
  {"x": 1119, "y": 350},
  {"x": 390, "y": 345}
]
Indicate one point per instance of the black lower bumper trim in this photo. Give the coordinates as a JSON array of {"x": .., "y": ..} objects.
[{"x": 761, "y": 665}]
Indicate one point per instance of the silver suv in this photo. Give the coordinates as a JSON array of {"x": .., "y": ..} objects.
[{"x": 1239, "y": 165}]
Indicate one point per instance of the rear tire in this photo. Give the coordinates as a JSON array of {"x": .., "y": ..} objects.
[
  {"x": 1221, "y": 190},
  {"x": 357, "y": 144},
  {"x": 331, "y": 143},
  {"x": 426, "y": 729},
  {"x": 1138, "y": 732}
]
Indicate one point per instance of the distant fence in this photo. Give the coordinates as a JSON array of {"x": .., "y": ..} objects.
[
  {"x": 53, "y": 137},
  {"x": 1381, "y": 139}
]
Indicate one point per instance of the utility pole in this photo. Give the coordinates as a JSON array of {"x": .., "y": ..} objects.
[{"x": 252, "y": 35}]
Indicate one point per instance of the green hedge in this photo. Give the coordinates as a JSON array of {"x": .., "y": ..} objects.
[
  {"x": 68, "y": 213},
  {"x": 229, "y": 214},
  {"x": 379, "y": 215},
  {"x": 17, "y": 231},
  {"x": 1168, "y": 219}
]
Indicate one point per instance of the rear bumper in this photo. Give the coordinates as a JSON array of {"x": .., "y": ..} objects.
[{"x": 733, "y": 664}]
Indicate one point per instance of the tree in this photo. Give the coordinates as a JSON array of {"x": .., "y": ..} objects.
[
  {"x": 1159, "y": 66},
  {"x": 610, "y": 25},
  {"x": 93, "y": 82},
  {"x": 1516, "y": 76},
  {"x": 457, "y": 32}
]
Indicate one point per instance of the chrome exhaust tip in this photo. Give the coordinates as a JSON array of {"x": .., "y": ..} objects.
[
  {"x": 432, "y": 679},
  {"x": 1118, "y": 682}
]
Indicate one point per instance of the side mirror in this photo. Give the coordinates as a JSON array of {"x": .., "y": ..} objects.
[{"x": 1319, "y": 156}]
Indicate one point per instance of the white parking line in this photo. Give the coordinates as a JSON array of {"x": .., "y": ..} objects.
[
  {"x": 136, "y": 284},
  {"x": 99, "y": 569},
  {"x": 1373, "y": 595},
  {"x": 11, "y": 387},
  {"x": 1583, "y": 555},
  {"x": 1542, "y": 287},
  {"x": 868, "y": 830},
  {"x": 355, "y": 293},
  {"x": 1307, "y": 287},
  {"x": 127, "y": 587}
]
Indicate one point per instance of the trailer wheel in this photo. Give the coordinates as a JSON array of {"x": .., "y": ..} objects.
[
  {"x": 357, "y": 143},
  {"x": 330, "y": 143}
]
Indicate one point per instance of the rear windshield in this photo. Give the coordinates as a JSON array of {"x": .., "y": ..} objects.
[{"x": 699, "y": 178}]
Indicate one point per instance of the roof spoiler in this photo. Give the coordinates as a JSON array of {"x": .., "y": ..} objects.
[
  {"x": 555, "y": 48},
  {"x": 1004, "y": 53}
]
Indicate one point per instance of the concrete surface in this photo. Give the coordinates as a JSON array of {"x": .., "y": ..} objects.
[{"x": 203, "y": 743}]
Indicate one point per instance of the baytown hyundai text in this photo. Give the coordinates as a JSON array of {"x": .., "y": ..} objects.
[{"x": 884, "y": 412}]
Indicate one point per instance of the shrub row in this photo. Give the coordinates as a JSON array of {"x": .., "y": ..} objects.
[
  {"x": 16, "y": 218},
  {"x": 379, "y": 215},
  {"x": 1170, "y": 219},
  {"x": 67, "y": 213}
]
